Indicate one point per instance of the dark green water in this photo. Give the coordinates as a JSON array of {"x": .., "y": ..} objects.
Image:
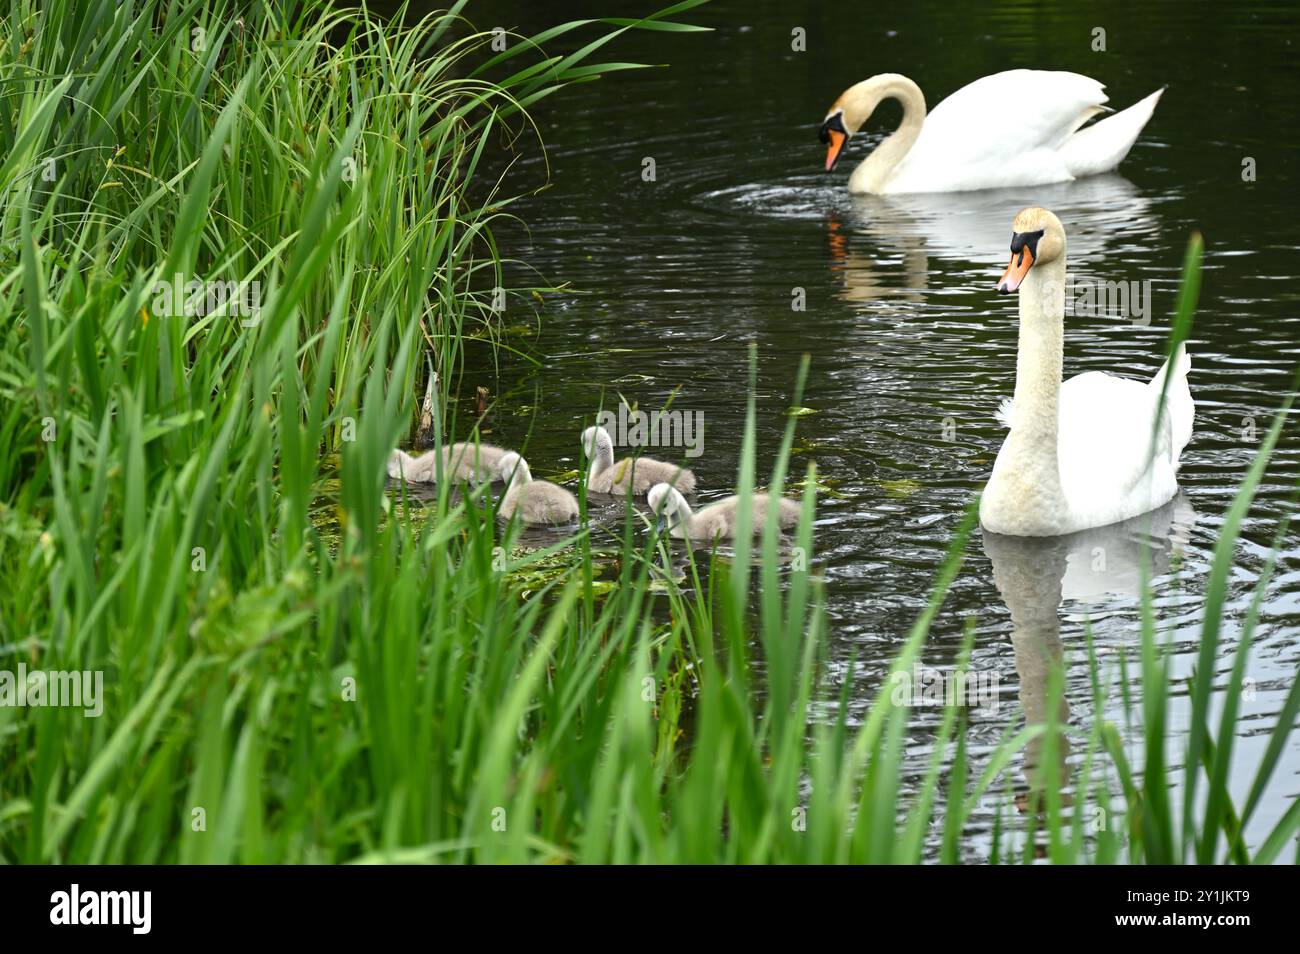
[{"x": 911, "y": 351}]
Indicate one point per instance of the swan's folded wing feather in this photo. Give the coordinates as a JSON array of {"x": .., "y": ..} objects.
[
  {"x": 1178, "y": 398},
  {"x": 1105, "y": 439},
  {"x": 1009, "y": 114},
  {"x": 1103, "y": 145}
]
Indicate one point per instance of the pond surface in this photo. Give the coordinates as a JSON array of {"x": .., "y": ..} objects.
[{"x": 911, "y": 350}]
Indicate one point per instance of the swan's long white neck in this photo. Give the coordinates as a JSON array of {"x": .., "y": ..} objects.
[
  {"x": 602, "y": 458},
  {"x": 685, "y": 519},
  {"x": 859, "y": 102},
  {"x": 1033, "y": 441},
  {"x": 520, "y": 476},
  {"x": 679, "y": 515}
]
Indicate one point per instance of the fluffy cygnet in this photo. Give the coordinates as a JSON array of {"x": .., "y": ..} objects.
[
  {"x": 639, "y": 473},
  {"x": 534, "y": 502},
  {"x": 717, "y": 521}
]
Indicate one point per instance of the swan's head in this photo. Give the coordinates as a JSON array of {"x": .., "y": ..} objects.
[
  {"x": 594, "y": 439},
  {"x": 512, "y": 467},
  {"x": 1037, "y": 238},
  {"x": 835, "y": 134},
  {"x": 850, "y": 113},
  {"x": 667, "y": 503}
]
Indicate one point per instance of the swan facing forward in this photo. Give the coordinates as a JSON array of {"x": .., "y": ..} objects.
[
  {"x": 1017, "y": 128},
  {"x": 1082, "y": 454},
  {"x": 476, "y": 463},
  {"x": 640, "y": 473},
  {"x": 535, "y": 502},
  {"x": 716, "y": 520}
]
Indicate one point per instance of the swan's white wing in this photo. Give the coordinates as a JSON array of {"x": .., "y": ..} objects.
[
  {"x": 1178, "y": 400},
  {"x": 1002, "y": 130},
  {"x": 1103, "y": 145},
  {"x": 1106, "y": 429},
  {"x": 1110, "y": 468},
  {"x": 1018, "y": 110}
]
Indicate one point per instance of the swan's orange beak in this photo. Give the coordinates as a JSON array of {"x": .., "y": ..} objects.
[
  {"x": 837, "y": 141},
  {"x": 1016, "y": 271}
]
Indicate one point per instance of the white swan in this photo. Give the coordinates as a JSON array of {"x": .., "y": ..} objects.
[
  {"x": 1015, "y": 128},
  {"x": 717, "y": 521},
  {"x": 639, "y": 473},
  {"x": 536, "y": 502},
  {"x": 1081, "y": 454}
]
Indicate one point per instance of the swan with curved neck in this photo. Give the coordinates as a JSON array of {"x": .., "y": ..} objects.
[
  {"x": 1095, "y": 450},
  {"x": 1016, "y": 128}
]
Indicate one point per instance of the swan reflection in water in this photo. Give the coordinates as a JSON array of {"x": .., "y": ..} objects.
[
  {"x": 881, "y": 245},
  {"x": 1101, "y": 570}
]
